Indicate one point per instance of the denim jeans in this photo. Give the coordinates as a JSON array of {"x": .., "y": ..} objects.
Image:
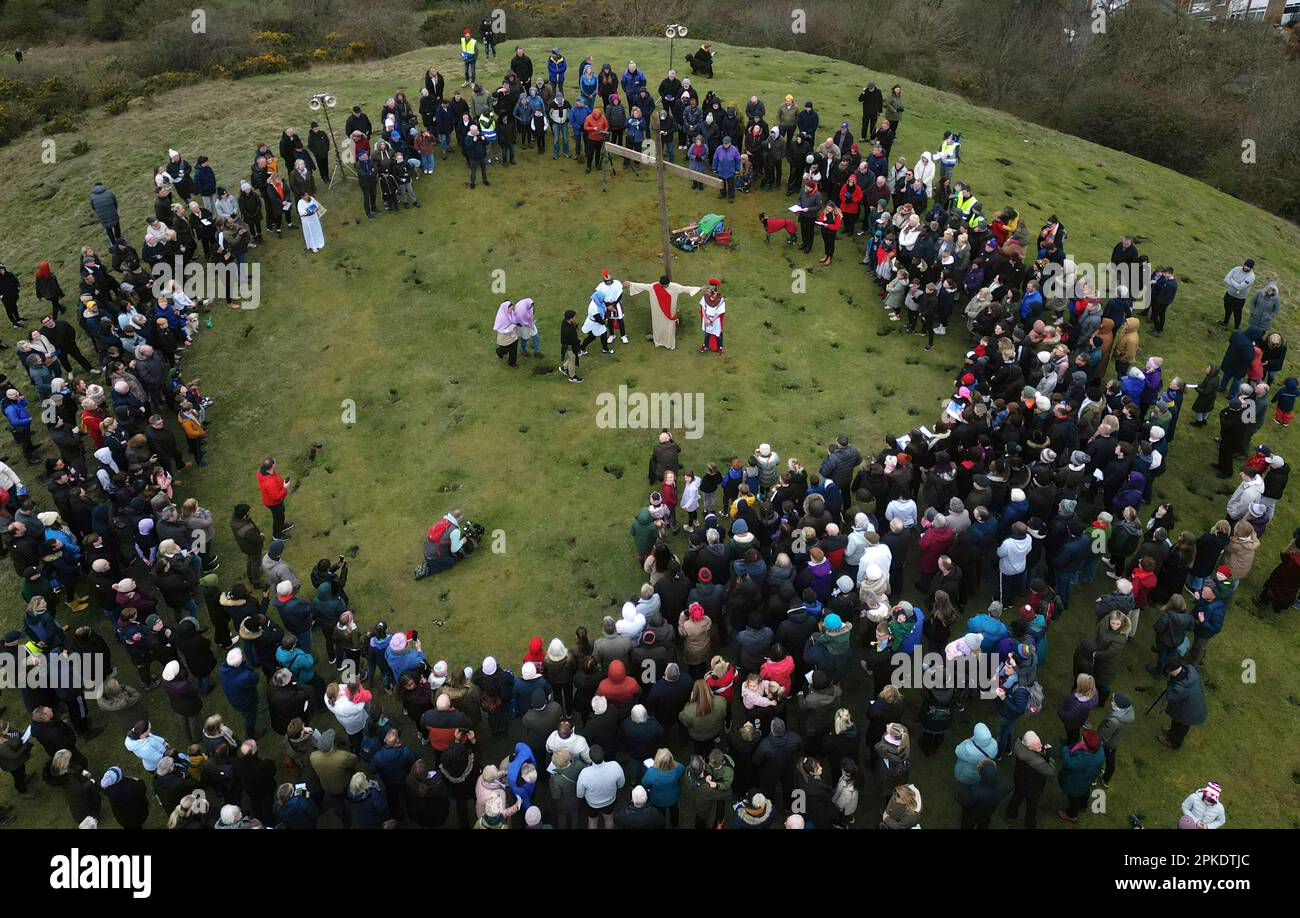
[
  {"x": 471, "y": 70},
  {"x": 1064, "y": 580},
  {"x": 1230, "y": 384},
  {"x": 444, "y": 141},
  {"x": 1005, "y": 726},
  {"x": 428, "y": 162},
  {"x": 560, "y": 135}
]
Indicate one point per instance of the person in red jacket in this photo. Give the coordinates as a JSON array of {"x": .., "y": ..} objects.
[
  {"x": 274, "y": 490},
  {"x": 617, "y": 687},
  {"x": 850, "y": 202},
  {"x": 830, "y": 221},
  {"x": 1143, "y": 579}
]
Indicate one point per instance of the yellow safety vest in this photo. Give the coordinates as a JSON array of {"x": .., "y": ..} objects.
[
  {"x": 468, "y": 45},
  {"x": 965, "y": 204},
  {"x": 948, "y": 150}
]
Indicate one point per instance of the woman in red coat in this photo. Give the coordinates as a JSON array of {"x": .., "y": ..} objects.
[
  {"x": 1283, "y": 583},
  {"x": 850, "y": 202},
  {"x": 830, "y": 221}
]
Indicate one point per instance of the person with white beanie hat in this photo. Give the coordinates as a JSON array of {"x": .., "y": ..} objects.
[
  {"x": 874, "y": 579},
  {"x": 239, "y": 682},
  {"x": 878, "y": 554},
  {"x": 185, "y": 700},
  {"x": 496, "y": 685},
  {"x": 857, "y": 542}
]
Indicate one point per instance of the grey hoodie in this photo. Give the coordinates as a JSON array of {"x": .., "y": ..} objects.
[
  {"x": 1239, "y": 281},
  {"x": 1115, "y": 725}
]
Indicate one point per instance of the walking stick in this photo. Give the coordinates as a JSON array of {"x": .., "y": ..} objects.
[{"x": 1157, "y": 701}]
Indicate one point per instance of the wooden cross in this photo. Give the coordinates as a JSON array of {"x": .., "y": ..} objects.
[{"x": 657, "y": 160}]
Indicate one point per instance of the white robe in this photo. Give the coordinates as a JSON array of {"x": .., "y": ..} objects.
[
  {"x": 663, "y": 309},
  {"x": 711, "y": 316},
  {"x": 312, "y": 233},
  {"x": 595, "y": 324}
]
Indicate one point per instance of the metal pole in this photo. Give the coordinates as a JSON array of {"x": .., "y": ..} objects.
[
  {"x": 338, "y": 156},
  {"x": 663, "y": 196}
]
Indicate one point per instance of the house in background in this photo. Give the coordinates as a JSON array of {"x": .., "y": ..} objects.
[{"x": 1274, "y": 12}]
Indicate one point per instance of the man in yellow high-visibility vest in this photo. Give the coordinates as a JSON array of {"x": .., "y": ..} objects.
[{"x": 469, "y": 55}]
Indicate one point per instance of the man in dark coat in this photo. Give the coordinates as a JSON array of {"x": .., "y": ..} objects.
[
  {"x": 1184, "y": 702},
  {"x": 873, "y": 103},
  {"x": 775, "y": 757},
  {"x": 129, "y": 798},
  {"x": 665, "y": 458},
  {"x": 1234, "y": 432},
  {"x": 249, "y": 538},
  {"x": 1034, "y": 766},
  {"x": 257, "y": 775},
  {"x": 287, "y": 698}
]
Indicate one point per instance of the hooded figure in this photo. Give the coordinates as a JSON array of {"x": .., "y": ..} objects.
[
  {"x": 617, "y": 688},
  {"x": 1264, "y": 307},
  {"x": 971, "y": 752}
]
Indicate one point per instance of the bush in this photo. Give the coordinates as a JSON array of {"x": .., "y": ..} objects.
[
  {"x": 278, "y": 39},
  {"x": 439, "y": 27},
  {"x": 117, "y": 105},
  {"x": 171, "y": 79},
  {"x": 15, "y": 118},
  {"x": 258, "y": 64},
  {"x": 60, "y": 124},
  {"x": 108, "y": 20}
]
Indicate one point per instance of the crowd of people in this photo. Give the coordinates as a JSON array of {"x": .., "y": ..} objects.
[{"x": 753, "y": 679}]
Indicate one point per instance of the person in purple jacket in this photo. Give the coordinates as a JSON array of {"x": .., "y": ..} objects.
[{"x": 726, "y": 163}]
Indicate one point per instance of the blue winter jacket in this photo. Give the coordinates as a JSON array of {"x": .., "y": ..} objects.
[
  {"x": 632, "y": 83},
  {"x": 297, "y": 661},
  {"x": 990, "y": 628},
  {"x": 726, "y": 161},
  {"x": 393, "y": 763},
  {"x": 240, "y": 685}
]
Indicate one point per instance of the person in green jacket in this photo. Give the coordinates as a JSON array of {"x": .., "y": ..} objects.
[
  {"x": 708, "y": 784},
  {"x": 1080, "y": 764},
  {"x": 703, "y": 717},
  {"x": 644, "y": 534}
]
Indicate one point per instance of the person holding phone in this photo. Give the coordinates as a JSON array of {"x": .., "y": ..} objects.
[{"x": 274, "y": 490}]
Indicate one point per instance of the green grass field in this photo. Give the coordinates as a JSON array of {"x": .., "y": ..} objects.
[{"x": 396, "y": 313}]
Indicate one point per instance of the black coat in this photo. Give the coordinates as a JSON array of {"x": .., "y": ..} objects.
[
  {"x": 775, "y": 757},
  {"x": 195, "y": 648},
  {"x": 287, "y": 702},
  {"x": 129, "y": 799}
]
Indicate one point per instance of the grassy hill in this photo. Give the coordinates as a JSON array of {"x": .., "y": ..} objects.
[{"x": 396, "y": 313}]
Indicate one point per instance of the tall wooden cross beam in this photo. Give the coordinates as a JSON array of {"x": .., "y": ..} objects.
[{"x": 661, "y": 168}]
